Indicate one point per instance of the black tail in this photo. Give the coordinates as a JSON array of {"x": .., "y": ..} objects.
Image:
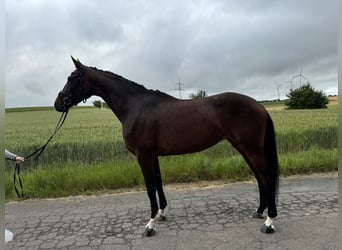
[{"x": 272, "y": 167}]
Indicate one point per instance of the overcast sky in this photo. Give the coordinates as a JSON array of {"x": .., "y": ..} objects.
[{"x": 250, "y": 47}]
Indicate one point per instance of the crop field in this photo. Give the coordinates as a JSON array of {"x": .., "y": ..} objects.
[{"x": 88, "y": 153}]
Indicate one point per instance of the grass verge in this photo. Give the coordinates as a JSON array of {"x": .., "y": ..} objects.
[{"x": 77, "y": 179}]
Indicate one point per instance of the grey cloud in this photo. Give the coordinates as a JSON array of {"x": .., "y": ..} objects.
[{"x": 213, "y": 45}]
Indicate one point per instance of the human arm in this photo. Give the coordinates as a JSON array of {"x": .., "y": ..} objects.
[{"x": 13, "y": 157}]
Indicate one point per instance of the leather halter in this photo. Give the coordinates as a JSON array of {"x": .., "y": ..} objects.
[{"x": 67, "y": 98}]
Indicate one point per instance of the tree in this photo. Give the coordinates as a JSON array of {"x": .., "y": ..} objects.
[
  {"x": 306, "y": 97},
  {"x": 97, "y": 104},
  {"x": 200, "y": 94}
]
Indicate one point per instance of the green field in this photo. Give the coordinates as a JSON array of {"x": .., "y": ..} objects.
[{"x": 88, "y": 154}]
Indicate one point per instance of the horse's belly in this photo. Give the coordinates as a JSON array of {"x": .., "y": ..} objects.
[{"x": 185, "y": 142}]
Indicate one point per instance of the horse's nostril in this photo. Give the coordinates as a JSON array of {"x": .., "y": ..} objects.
[{"x": 66, "y": 101}]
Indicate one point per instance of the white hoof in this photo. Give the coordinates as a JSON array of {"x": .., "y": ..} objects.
[{"x": 268, "y": 226}]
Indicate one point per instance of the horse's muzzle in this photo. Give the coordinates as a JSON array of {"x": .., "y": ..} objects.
[
  {"x": 63, "y": 102},
  {"x": 59, "y": 108}
]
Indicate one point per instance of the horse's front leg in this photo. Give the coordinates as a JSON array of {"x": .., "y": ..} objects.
[
  {"x": 151, "y": 192},
  {"x": 147, "y": 166},
  {"x": 161, "y": 195}
]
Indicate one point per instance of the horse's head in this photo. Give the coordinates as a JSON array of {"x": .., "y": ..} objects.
[{"x": 74, "y": 90}]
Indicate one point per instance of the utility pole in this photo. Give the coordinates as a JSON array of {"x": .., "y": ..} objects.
[
  {"x": 278, "y": 85},
  {"x": 180, "y": 88}
]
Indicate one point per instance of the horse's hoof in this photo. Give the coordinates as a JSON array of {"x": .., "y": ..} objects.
[
  {"x": 149, "y": 232},
  {"x": 267, "y": 229},
  {"x": 257, "y": 215},
  {"x": 161, "y": 217}
]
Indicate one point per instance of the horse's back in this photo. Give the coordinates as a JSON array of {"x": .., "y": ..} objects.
[{"x": 232, "y": 100}]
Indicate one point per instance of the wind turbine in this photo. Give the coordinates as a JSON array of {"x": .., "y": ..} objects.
[{"x": 301, "y": 76}]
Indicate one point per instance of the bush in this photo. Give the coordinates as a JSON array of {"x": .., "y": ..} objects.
[
  {"x": 306, "y": 97},
  {"x": 97, "y": 104}
]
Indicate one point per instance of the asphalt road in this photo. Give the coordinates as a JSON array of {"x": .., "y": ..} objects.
[{"x": 216, "y": 217}]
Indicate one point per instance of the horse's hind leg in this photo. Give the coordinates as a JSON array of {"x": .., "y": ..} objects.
[
  {"x": 255, "y": 158},
  {"x": 266, "y": 191},
  {"x": 256, "y": 163},
  {"x": 161, "y": 195},
  {"x": 259, "y": 213}
]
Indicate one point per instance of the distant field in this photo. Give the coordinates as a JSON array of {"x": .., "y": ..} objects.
[
  {"x": 333, "y": 101},
  {"x": 94, "y": 135},
  {"x": 90, "y": 145}
]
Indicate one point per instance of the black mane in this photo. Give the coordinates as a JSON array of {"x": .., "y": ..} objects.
[
  {"x": 138, "y": 87},
  {"x": 120, "y": 78}
]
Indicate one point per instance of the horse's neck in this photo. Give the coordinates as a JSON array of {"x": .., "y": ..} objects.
[{"x": 115, "y": 94}]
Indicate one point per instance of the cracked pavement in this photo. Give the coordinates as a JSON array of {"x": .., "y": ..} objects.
[{"x": 215, "y": 217}]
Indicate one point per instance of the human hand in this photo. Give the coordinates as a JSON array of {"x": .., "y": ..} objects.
[{"x": 19, "y": 159}]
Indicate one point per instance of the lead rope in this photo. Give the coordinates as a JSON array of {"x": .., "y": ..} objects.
[{"x": 40, "y": 150}]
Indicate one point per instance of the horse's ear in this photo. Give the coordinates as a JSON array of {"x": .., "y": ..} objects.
[{"x": 77, "y": 63}]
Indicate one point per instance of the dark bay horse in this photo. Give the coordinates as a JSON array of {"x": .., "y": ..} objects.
[{"x": 156, "y": 124}]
